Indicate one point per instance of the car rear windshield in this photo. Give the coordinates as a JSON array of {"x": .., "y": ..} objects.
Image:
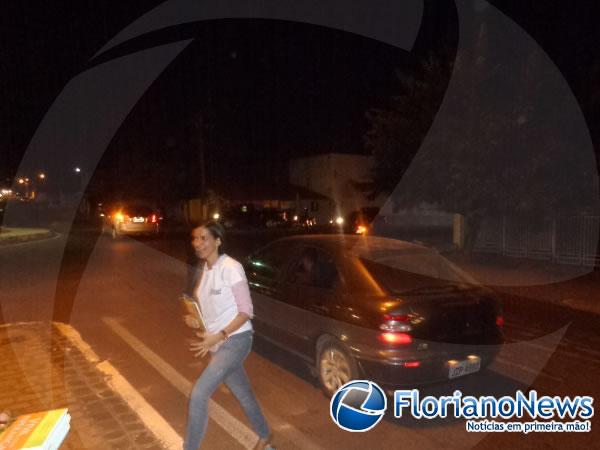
[{"x": 403, "y": 272}]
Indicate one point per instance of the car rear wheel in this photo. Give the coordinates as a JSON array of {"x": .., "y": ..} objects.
[{"x": 335, "y": 366}]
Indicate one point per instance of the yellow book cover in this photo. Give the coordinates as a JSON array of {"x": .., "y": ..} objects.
[
  {"x": 191, "y": 307},
  {"x": 31, "y": 431}
]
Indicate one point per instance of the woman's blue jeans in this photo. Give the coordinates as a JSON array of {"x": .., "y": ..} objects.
[{"x": 226, "y": 365}]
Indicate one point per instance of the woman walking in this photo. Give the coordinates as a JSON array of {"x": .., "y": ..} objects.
[{"x": 226, "y": 306}]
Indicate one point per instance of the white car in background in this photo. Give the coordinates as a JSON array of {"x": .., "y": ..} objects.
[{"x": 132, "y": 219}]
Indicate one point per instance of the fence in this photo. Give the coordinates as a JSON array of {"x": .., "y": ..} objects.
[{"x": 562, "y": 239}]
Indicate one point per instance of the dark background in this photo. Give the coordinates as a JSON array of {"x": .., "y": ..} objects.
[{"x": 253, "y": 92}]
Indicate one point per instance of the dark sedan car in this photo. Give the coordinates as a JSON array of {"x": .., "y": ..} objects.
[{"x": 355, "y": 307}]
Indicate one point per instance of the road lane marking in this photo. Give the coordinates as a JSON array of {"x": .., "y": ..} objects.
[
  {"x": 153, "y": 421},
  {"x": 239, "y": 431}
]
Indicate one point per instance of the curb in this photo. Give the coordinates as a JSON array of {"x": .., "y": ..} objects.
[{"x": 10, "y": 240}]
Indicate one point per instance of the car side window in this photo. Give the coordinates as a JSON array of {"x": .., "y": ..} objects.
[
  {"x": 314, "y": 267},
  {"x": 268, "y": 263}
]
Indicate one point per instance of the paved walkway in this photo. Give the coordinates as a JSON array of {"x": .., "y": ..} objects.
[
  {"x": 41, "y": 368},
  {"x": 575, "y": 287}
]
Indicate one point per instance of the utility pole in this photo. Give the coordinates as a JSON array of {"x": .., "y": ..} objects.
[{"x": 201, "y": 127}]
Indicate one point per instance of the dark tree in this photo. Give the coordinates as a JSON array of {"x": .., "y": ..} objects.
[{"x": 508, "y": 137}]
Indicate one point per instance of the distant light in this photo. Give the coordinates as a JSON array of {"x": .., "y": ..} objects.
[
  {"x": 295, "y": 218},
  {"x": 42, "y": 176},
  {"x": 216, "y": 216},
  {"x": 331, "y": 221},
  {"x": 339, "y": 220},
  {"x": 77, "y": 169},
  {"x": 361, "y": 229},
  {"x": 21, "y": 181},
  {"x": 244, "y": 208},
  {"x": 101, "y": 214}
]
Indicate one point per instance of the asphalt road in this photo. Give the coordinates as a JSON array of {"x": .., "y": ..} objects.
[{"x": 122, "y": 297}]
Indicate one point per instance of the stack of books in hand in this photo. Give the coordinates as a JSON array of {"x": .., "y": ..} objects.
[
  {"x": 44, "y": 430},
  {"x": 191, "y": 308}
]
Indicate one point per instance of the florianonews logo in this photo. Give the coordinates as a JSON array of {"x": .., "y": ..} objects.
[{"x": 358, "y": 405}]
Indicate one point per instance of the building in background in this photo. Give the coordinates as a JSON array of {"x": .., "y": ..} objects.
[{"x": 335, "y": 176}]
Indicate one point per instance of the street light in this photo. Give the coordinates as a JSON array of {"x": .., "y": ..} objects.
[
  {"x": 77, "y": 170},
  {"x": 42, "y": 176}
]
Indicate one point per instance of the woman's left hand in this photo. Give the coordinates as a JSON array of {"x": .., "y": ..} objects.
[{"x": 207, "y": 340}]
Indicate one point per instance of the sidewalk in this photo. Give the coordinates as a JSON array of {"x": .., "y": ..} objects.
[
  {"x": 41, "y": 368},
  {"x": 575, "y": 287}
]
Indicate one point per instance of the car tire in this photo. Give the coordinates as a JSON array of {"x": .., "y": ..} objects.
[{"x": 335, "y": 366}]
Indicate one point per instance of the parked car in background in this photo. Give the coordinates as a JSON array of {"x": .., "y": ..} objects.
[
  {"x": 131, "y": 219},
  {"x": 272, "y": 218},
  {"x": 375, "y": 308},
  {"x": 253, "y": 218}
]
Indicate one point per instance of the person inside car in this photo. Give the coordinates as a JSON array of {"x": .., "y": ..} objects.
[{"x": 305, "y": 273}]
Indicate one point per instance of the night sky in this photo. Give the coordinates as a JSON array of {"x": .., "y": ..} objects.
[{"x": 267, "y": 90}]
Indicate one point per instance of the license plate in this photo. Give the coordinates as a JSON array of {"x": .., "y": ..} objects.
[
  {"x": 464, "y": 367},
  {"x": 138, "y": 219}
]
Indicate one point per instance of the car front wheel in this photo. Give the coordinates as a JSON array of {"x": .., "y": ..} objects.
[{"x": 335, "y": 367}]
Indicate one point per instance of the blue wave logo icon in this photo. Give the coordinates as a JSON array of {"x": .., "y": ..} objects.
[{"x": 358, "y": 406}]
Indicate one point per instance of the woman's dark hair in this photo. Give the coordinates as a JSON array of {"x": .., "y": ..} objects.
[{"x": 217, "y": 231}]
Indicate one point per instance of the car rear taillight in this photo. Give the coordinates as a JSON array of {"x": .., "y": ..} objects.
[
  {"x": 396, "y": 317},
  {"x": 395, "y": 338},
  {"x": 412, "y": 364},
  {"x": 500, "y": 321},
  {"x": 153, "y": 218},
  {"x": 396, "y": 322},
  {"x": 396, "y": 328}
]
